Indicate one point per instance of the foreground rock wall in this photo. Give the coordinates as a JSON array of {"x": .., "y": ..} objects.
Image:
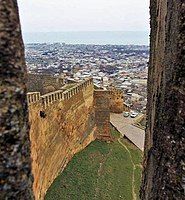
[
  {"x": 58, "y": 131},
  {"x": 15, "y": 161},
  {"x": 165, "y": 135}
]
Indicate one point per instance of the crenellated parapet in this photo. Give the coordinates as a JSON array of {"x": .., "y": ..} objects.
[
  {"x": 77, "y": 88},
  {"x": 52, "y": 97},
  {"x": 59, "y": 95},
  {"x": 33, "y": 97}
]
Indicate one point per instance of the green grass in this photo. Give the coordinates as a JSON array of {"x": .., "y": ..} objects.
[
  {"x": 137, "y": 159},
  {"x": 135, "y": 152},
  {"x": 86, "y": 179},
  {"x": 138, "y": 172}
]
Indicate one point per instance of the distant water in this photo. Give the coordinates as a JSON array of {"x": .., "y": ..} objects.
[{"x": 96, "y": 37}]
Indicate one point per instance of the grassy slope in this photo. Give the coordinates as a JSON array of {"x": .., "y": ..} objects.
[{"x": 100, "y": 172}]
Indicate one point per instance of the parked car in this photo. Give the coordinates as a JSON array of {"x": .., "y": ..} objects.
[
  {"x": 126, "y": 114},
  {"x": 133, "y": 114}
]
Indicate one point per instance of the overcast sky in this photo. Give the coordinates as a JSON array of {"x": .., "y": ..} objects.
[{"x": 84, "y": 15}]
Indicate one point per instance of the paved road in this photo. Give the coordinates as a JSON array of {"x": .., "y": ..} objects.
[{"x": 125, "y": 127}]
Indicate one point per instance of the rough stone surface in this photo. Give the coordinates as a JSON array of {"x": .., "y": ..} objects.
[
  {"x": 102, "y": 114},
  {"x": 164, "y": 162},
  {"x": 116, "y": 101},
  {"x": 15, "y": 165},
  {"x": 63, "y": 129}
]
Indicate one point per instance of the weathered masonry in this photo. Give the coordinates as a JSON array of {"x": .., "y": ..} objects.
[
  {"x": 164, "y": 173},
  {"x": 102, "y": 114},
  {"x": 15, "y": 160}
]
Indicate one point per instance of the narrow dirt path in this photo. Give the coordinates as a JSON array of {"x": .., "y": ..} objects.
[
  {"x": 133, "y": 170},
  {"x": 100, "y": 171}
]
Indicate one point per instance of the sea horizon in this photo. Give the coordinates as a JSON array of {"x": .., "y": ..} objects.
[{"x": 89, "y": 37}]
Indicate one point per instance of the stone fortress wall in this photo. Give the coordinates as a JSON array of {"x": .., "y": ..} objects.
[
  {"x": 63, "y": 123},
  {"x": 102, "y": 114}
]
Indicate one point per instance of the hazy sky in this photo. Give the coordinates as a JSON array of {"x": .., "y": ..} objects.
[{"x": 84, "y": 15}]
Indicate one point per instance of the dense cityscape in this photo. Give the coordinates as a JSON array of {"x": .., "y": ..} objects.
[{"x": 122, "y": 66}]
